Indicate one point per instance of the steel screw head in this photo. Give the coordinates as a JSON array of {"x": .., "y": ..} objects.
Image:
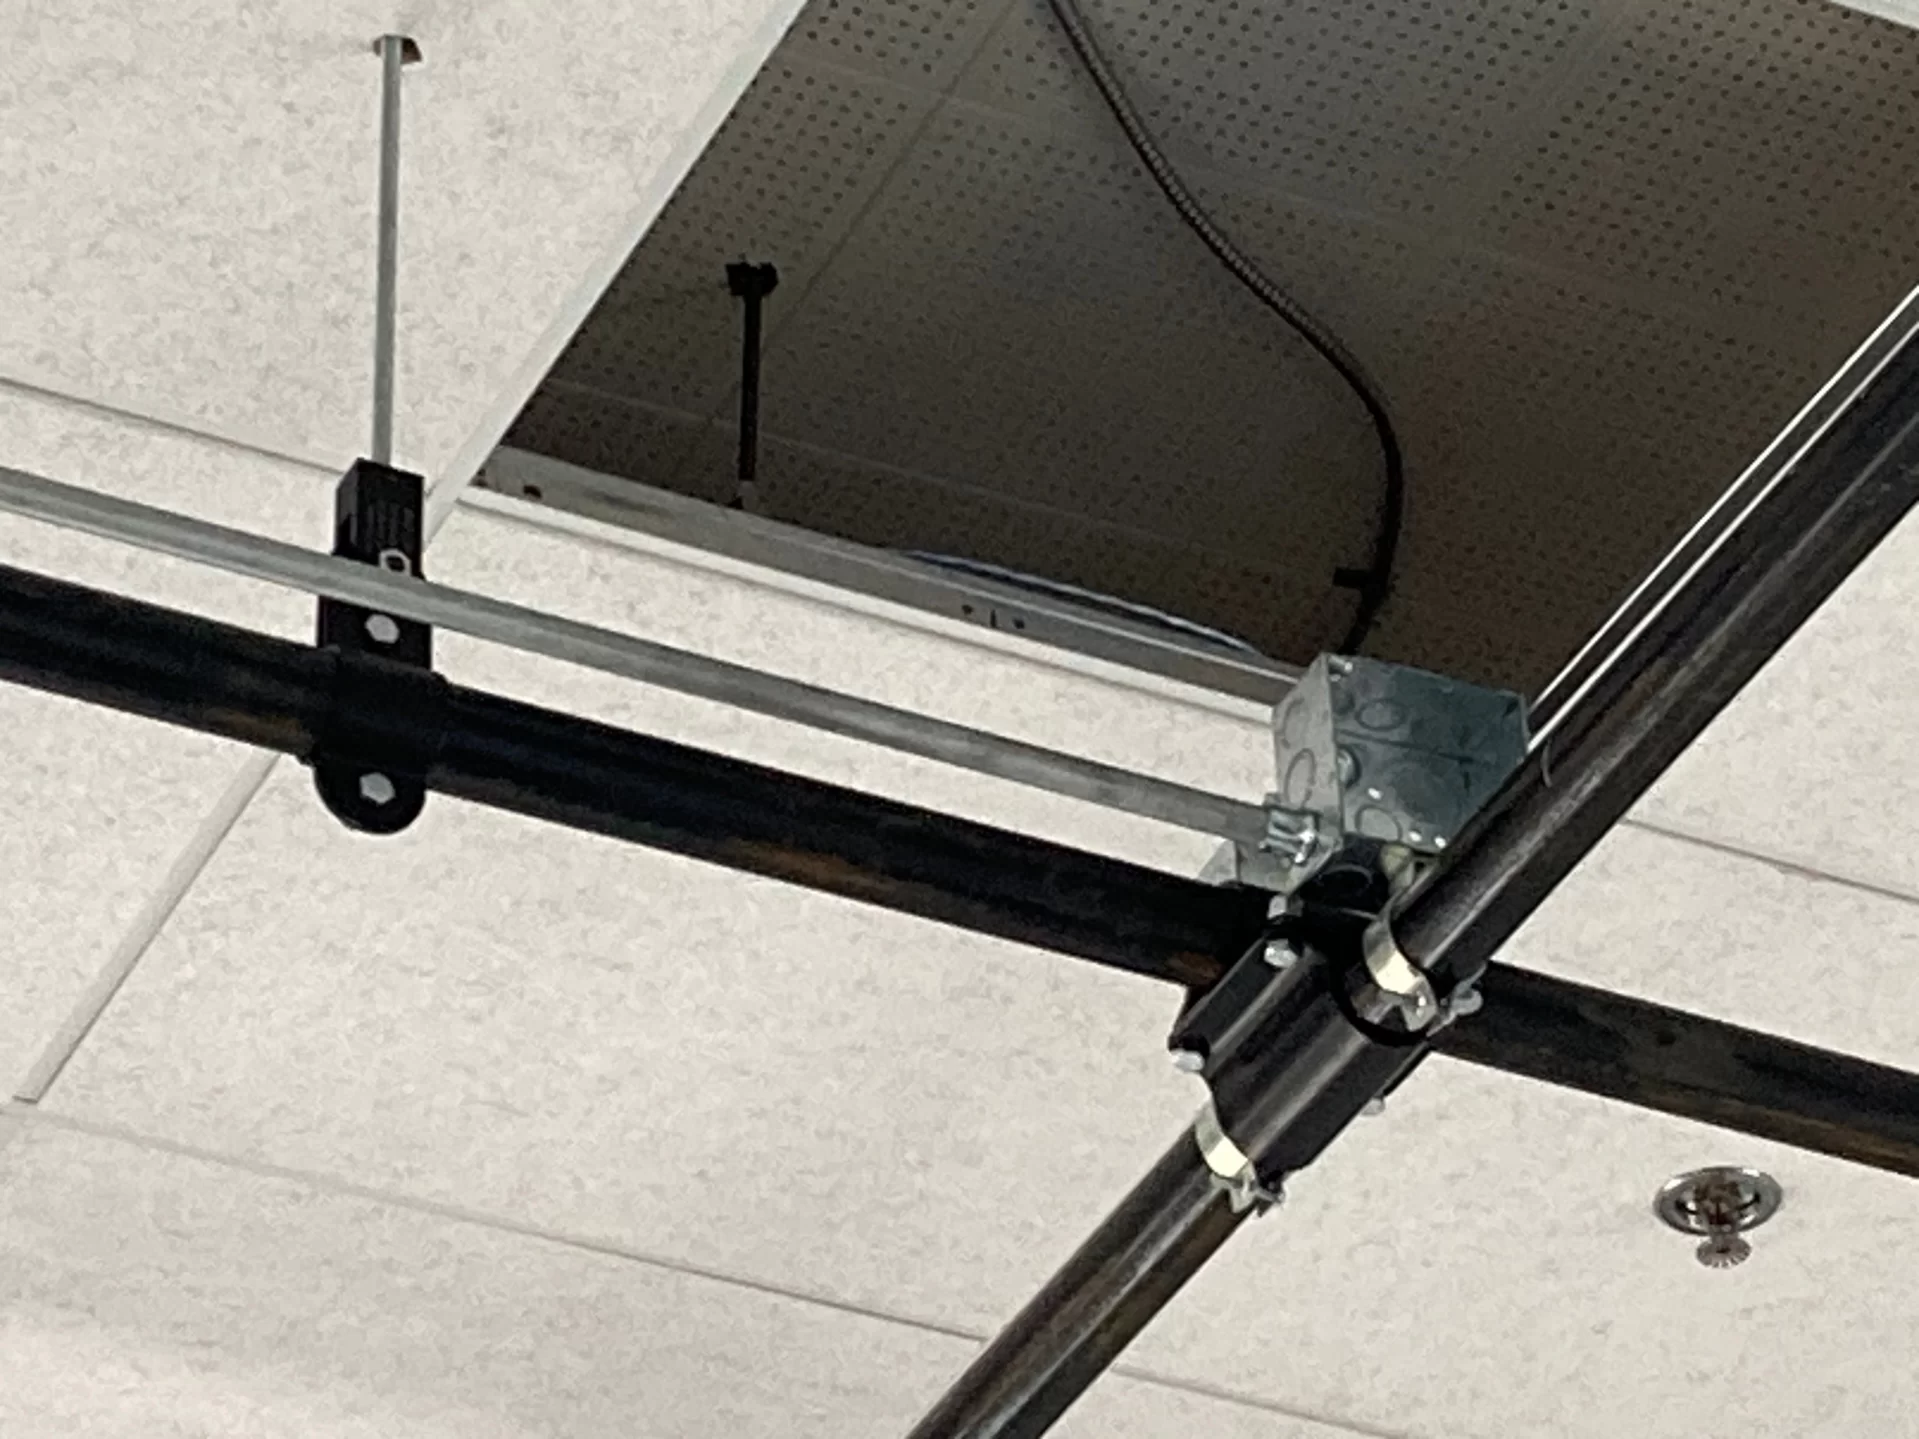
[
  {"x": 1188, "y": 1061},
  {"x": 1280, "y": 954},
  {"x": 377, "y": 789},
  {"x": 1374, "y": 1108},
  {"x": 383, "y": 629}
]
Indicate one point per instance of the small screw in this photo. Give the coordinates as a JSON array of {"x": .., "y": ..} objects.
[
  {"x": 1464, "y": 1001},
  {"x": 1280, "y": 955},
  {"x": 1188, "y": 1061},
  {"x": 1374, "y": 1108},
  {"x": 377, "y": 789},
  {"x": 382, "y": 628}
]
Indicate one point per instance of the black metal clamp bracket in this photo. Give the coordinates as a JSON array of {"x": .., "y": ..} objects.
[
  {"x": 372, "y": 773},
  {"x": 1292, "y": 1042}
]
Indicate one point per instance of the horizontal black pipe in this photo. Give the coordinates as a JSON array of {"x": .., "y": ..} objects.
[
  {"x": 1701, "y": 1069},
  {"x": 221, "y": 680},
  {"x": 1832, "y": 507},
  {"x": 217, "y": 679}
]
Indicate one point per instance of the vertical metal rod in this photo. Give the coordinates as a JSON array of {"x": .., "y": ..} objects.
[
  {"x": 392, "y": 50},
  {"x": 751, "y": 284}
]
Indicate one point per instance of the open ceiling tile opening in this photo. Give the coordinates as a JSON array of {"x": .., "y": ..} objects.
[{"x": 1590, "y": 257}]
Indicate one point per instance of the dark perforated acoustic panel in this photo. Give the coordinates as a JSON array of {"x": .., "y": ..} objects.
[{"x": 1595, "y": 254}]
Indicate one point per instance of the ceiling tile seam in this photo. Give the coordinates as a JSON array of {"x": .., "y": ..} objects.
[
  {"x": 964, "y": 488},
  {"x": 17, "y": 1117},
  {"x": 442, "y": 497},
  {"x": 148, "y": 420},
  {"x": 1441, "y": 241},
  {"x": 777, "y": 320},
  {"x": 145, "y": 926},
  {"x": 1781, "y": 864}
]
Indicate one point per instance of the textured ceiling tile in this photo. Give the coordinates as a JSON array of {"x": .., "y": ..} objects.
[
  {"x": 1813, "y": 762},
  {"x": 101, "y": 803},
  {"x": 1754, "y": 155},
  {"x": 219, "y": 163},
  {"x": 149, "y": 1294},
  {"x": 794, "y": 164}
]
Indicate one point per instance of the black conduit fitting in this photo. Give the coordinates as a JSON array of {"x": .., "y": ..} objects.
[{"x": 1374, "y": 583}]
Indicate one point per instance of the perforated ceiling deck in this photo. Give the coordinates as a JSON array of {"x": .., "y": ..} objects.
[{"x": 1595, "y": 255}]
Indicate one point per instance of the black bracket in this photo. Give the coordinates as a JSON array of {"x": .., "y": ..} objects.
[{"x": 375, "y": 779}]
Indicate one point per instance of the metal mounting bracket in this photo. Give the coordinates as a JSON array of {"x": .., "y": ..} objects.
[{"x": 368, "y": 780}]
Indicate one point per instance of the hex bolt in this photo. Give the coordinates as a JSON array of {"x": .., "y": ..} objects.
[
  {"x": 376, "y": 788},
  {"x": 1188, "y": 1061},
  {"x": 1280, "y": 955},
  {"x": 383, "y": 629}
]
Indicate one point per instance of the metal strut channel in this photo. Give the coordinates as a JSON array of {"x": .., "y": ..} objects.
[{"x": 260, "y": 558}]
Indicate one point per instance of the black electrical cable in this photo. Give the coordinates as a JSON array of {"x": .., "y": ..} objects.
[{"x": 1374, "y": 583}]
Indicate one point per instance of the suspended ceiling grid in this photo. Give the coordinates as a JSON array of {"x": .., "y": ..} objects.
[
  {"x": 1595, "y": 254},
  {"x": 500, "y": 1130}
]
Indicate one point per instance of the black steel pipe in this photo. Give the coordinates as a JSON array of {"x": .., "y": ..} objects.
[
  {"x": 1831, "y": 509},
  {"x": 287, "y": 697},
  {"x": 216, "y": 679},
  {"x": 1652, "y": 1057}
]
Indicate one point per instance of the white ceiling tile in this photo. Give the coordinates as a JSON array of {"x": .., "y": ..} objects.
[
  {"x": 1812, "y": 763},
  {"x": 218, "y": 163},
  {"x": 155, "y": 1294},
  {"x": 101, "y": 802}
]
